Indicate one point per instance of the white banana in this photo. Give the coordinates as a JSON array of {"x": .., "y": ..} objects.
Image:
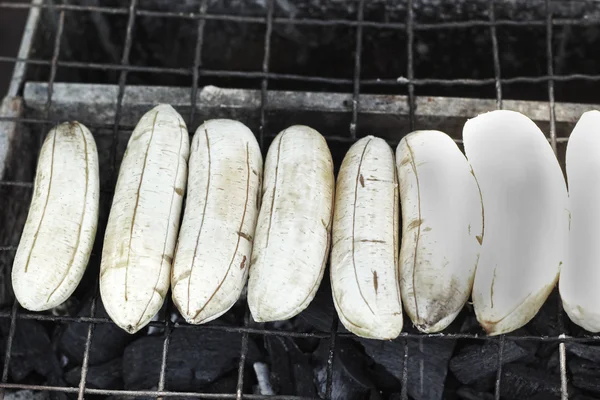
[
  {"x": 364, "y": 255},
  {"x": 144, "y": 219},
  {"x": 59, "y": 233},
  {"x": 215, "y": 242},
  {"x": 442, "y": 228},
  {"x": 526, "y": 218},
  {"x": 291, "y": 242},
  {"x": 580, "y": 276}
]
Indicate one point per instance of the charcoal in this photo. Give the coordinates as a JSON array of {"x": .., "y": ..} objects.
[
  {"x": 469, "y": 393},
  {"x": 350, "y": 380},
  {"x": 32, "y": 352},
  {"x": 553, "y": 364},
  {"x": 196, "y": 357},
  {"x": 545, "y": 396},
  {"x": 579, "y": 396},
  {"x": 428, "y": 366},
  {"x": 103, "y": 376},
  {"x": 585, "y": 374},
  {"x": 108, "y": 341},
  {"x": 228, "y": 383},
  {"x": 545, "y": 322},
  {"x": 320, "y": 312},
  {"x": 479, "y": 360},
  {"x": 291, "y": 372},
  {"x": 26, "y": 395},
  {"x": 522, "y": 382},
  {"x": 589, "y": 352}
]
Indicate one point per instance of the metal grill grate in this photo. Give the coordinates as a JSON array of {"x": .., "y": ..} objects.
[{"x": 196, "y": 71}]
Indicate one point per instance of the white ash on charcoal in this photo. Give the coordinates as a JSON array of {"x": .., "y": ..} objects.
[
  {"x": 290, "y": 370},
  {"x": 523, "y": 382},
  {"x": 26, "y": 395},
  {"x": 351, "y": 380},
  {"x": 585, "y": 375},
  {"x": 108, "y": 341},
  {"x": 586, "y": 351},
  {"x": 196, "y": 358},
  {"x": 103, "y": 376},
  {"x": 263, "y": 377}
]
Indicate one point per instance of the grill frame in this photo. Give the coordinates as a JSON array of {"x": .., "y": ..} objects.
[{"x": 410, "y": 26}]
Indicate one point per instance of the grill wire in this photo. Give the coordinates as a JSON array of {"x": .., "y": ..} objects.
[{"x": 410, "y": 27}]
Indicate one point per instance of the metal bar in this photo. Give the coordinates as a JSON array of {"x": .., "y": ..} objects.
[
  {"x": 165, "y": 351},
  {"x": 239, "y": 392},
  {"x": 197, "y": 61},
  {"x": 550, "y": 72},
  {"x": 24, "y": 49},
  {"x": 13, "y": 317},
  {"x": 404, "y": 388},
  {"x": 496, "y": 55},
  {"x": 86, "y": 353},
  {"x": 148, "y": 393},
  {"x": 499, "y": 370},
  {"x": 122, "y": 79},
  {"x": 410, "y": 63},
  {"x": 301, "y": 21},
  {"x": 331, "y": 358},
  {"x": 357, "y": 65},
  {"x": 265, "y": 69},
  {"x": 55, "y": 55},
  {"x": 564, "y": 391},
  {"x": 410, "y": 19},
  {"x": 9, "y": 342},
  {"x": 314, "y": 335},
  {"x": 302, "y": 78},
  {"x": 562, "y": 353},
  {"x": 497, "y": 74},
  {"x": 125, "y": 60}
]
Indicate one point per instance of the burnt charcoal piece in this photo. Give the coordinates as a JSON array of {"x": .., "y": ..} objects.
[
  {"x": 585, "y": 374},
  {"x": 522, "y": 382},
  {"x": 26, "y": 395},
  {"x": 427, "y": 363},
  {"x": 579, "y": 396},
  {"x": 103, "y": 376},
  {"x": 469, "y": 393},
  {"x": 586, "y": 351},
  {"x": 319, "y": 314},
  {"x": 477, "y": 361},
  {"x": 228, "y": 383},
  {"x": 31, "y": 351},
  {"x": 196, "y": 357},
  {"x": 291, "y": 373},
  {"x": 350, "y": 379},
  {"x": 544, "y": 396},
  {"x": 545, "y": 321},
  {"x": 108, "y": 341}
]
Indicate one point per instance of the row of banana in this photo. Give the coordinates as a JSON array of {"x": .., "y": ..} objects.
[{"x": 498, "y": 225}]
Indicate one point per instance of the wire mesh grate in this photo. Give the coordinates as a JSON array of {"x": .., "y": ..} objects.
[{"x": 355, "y": 84}]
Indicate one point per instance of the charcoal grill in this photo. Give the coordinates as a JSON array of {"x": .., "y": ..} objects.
[{"x": 349, "y": 100}]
